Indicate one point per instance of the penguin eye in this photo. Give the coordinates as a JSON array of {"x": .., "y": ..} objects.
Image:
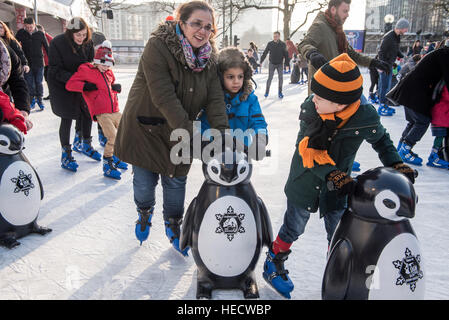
[
  {"x": 214, "y": 170},
  {"x": 3, "y": 143},
  {"x": 390, "y": 204},
  {"x": 242, "y": 170}
]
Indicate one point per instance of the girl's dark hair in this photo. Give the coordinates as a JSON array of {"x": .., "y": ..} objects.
[
  {"x": 253, "y": 46},
  {"x": 234, "y": 58},
  {"x": 8, "y": 34},
  {"x": 75, "y": 25},
  {"x": 185, "y": 10}
]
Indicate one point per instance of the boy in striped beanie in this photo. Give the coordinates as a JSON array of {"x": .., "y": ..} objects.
[{"x": 333, "y": 125}]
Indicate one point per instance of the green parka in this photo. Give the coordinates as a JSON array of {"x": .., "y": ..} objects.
[
  {"x": 322, "y": 37},
  {"x": 306, "y": 187},
  {"x": 167, "y": 95}
]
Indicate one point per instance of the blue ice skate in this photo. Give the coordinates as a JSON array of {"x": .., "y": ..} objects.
[
  {"x": 276, "y": 275},
  {"x": 383, "y": 110},
  {"x": 89, "y": 151},
  {"x": 33, "y": 103},
  {"x": 101, "y": 138},
  {"x": 109, "y": 169},
  {"x": 405, "y": 151},
  {"x": 143, "y": 224},
  {"x": 119, "y": 163},
  {"x": 355, "y": 166},
  {"x": 173, "y": 231},
  {"x": 67, "y": 161},
  {"x": 281, "y": 95},
  {"x": 77, "y": 145},
  {"x": 435, "y": 161}
]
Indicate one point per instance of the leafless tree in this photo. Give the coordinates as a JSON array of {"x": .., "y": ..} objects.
[{"x": 96, "y": 6}]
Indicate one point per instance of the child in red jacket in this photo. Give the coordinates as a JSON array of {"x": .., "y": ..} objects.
[{"x": 97, "y": 84}]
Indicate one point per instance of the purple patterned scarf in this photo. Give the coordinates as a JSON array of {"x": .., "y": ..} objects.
[{"x": 196, "y": 63}]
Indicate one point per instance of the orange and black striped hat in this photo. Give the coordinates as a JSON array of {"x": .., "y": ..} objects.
[{"x": 338, "y": 81}]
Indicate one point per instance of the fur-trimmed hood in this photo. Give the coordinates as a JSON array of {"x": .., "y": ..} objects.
[
  {"x": 166, "y": 31},
  {"x": 233, "y": 57}
]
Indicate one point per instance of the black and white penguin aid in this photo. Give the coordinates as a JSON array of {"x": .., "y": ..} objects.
[
  {"x": 21, "y": 190},
  {"x": 374, "y": 253},
  {"x": 226, "y": 226}
]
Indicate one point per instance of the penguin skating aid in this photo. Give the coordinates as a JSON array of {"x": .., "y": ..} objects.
[
  {"x": 226, "y": 226},
  {"x": 21, "y": 190}
]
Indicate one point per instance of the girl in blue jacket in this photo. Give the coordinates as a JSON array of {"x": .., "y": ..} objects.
[{"x": 242, "y": 105}]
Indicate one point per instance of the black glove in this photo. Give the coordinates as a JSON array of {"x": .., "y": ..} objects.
[
  {"x": 410, "y": 173},
  {"x": 117, "y": 87},
  {"x": 89, "y": 86},
  {"x": 257, "y": 150},
  {"x": 339, "y": 181},
  {"x": 316, "y": 59},
  {"x": 381, "y": 65}
]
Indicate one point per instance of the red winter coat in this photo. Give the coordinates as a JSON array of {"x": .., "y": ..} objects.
[
  {"x": 440, "y": 111},
  {"x": 49, "y": 38},
  {"x": 10, "y": 114},
  {"x": 103, "y": 100}
]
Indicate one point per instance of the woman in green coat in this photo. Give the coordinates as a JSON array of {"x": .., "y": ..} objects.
[{"x": 176, "y": 78}]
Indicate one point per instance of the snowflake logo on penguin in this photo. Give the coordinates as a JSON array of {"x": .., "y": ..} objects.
[
  {"x": 230, "y": 223},
  {"x": 409, "y": 270},
  {"x": 23, "y": 183}
]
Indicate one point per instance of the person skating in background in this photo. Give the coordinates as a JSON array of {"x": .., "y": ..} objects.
[
  {"x": 388, "y": 53},
  {"x": 303, "y": 69},
  {"x": 253, "y": 46},
  {"x": 252, "y": 60},
  {"x": 278, "y": 54},
  {"x": 97, "y": 84},
  {"x": 242, "y": 106},
  {"x": 67, "y": 52},
  {"x": 374, "y": 77},
  {"x": 32, "y": 41},
  {"x": 325, "y": 39},
  {"x": 333, "y": 125},
  {"x": 10, "y": 40},
  {"x": 292, "y": 51},
  {"x": 422, "y": 92},
  {"x": 49, "y": 38}
]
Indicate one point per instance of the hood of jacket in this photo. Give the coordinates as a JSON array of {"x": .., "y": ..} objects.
[{"x": 166, "y": 32}]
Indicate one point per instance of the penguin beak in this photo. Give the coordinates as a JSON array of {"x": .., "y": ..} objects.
[
  {"x": 410, "y": 211},
  {"x": 228, "y": 172}
]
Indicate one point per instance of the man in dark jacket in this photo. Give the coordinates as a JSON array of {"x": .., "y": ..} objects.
[
  {"x": 32, "y": 41},
  {"x": 388, "y": 52},
  {"x": 278, "y": 52}
]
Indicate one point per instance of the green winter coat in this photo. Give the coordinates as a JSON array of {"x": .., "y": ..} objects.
[
  {"x": 306, "y": 187},
  {"x": 321, "y": 37},
  {"x": 166, "y": 95}
]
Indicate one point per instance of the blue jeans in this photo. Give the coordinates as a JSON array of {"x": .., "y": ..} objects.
[
  {"x": 173, "y": 190},
  {"x": 384, "y": 85},
  {"x": 34, "y": 80},
  {"x": 295, "y": 220}
]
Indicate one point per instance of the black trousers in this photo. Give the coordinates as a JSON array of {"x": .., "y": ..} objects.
[
  {"x": 416, "y": 127},
  {"x": 83, "y": 125}
]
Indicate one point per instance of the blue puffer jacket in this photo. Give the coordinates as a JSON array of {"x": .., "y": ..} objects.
[{"x": 243, "y": 115}]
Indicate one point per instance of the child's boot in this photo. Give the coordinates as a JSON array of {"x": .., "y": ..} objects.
[
  {"x": 101, "y": 138},
  {"x": 119, "y": 163},
  {"x": 435, "y": 161},
  {"x": 67, "y": 161},
  {"x": 89, "y": 151},
  {"x": 109, "y": 169},
  {"x": 143, "y": 224},
  {"x": 275, "y": 273},
  {"x": 405, "y": 151},
  {"x": 173, "y": 232}
]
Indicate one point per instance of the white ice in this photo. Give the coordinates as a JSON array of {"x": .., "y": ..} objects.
[{"x": 92, "y": 252}]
